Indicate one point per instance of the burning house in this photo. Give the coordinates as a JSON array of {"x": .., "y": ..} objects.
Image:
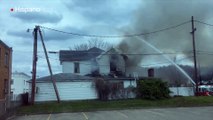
[
  {"x": 94, "y": 61},
  {"x": 80, "y": 70}
]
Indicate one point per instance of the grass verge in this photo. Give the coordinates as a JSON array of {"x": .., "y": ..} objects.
[{"x": 93, "y": 105}]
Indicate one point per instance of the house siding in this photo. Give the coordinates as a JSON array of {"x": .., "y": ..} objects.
[
  {"x": 85, "y": 67},
  {"x": 128, "y": 83},
  {"x": 20, "y": 84},
  {"x": 183, "y": 91},
  {"x": 104, "y": 65},
  {"x": 137, "y": 71},
  {"x": 67, "y": 91}
]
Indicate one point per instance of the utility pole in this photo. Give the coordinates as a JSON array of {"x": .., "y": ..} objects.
[
  {"x": 49, "y": 66},
  {"x": 35, "y": 35},
  {"x": 194, "y": 53}
]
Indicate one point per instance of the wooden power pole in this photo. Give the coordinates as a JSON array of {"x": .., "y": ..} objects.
[
  {"x": 49, "y": 66},
  {"x": 35, "y": 35},
  {"x": 194, "y": 54}
]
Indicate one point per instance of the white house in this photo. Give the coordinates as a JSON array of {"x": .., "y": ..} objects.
[
  {"x": 79, "y": 62},
  {"x": 19, "y": 83},
  {"x": 92, "y": 61},
  {"x": 71, "y": 87}
]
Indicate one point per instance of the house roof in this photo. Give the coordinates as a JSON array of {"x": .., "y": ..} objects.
[
  {"x": 63, "y": 77},
  {"x": 70, "y": 77},
  {"x": 20, "y": 73},
  {"x": 114, "y": 51},
  {"x": 71, "y": 55},
  {"x": 5, "y": 45}
]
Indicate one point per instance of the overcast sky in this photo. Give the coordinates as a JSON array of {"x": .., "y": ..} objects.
[{"x": 100, "y": 17}]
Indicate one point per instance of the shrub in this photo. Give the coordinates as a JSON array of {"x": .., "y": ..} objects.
[
  {"x": 102, "y": 89},
  {"x": 108, "y": 90},
  {"x": 152, "y": 89}
]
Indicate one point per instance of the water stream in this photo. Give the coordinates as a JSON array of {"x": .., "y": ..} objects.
[{"x": 169, "y": 59}]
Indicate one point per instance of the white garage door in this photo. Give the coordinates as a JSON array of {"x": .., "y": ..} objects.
[{"x": 67, "y": 91}]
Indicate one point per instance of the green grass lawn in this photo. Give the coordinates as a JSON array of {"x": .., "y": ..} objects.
[{"x": 92, "y": 105}]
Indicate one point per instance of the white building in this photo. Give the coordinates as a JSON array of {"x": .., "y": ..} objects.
[
  {"x": 72, "y": 87},
  {"x": 19, "y": 83},
  {"x": 79, "y": 62},
  {"x": 93, "y": 60}
]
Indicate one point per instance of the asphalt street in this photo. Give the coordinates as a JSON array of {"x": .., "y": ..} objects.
[{"x": 182, "y": 113}]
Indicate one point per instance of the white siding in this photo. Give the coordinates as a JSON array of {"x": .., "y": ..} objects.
[
  {"x": 85, "y": 67},
  {"x": 184, "y": 91},
  {"x": 67, "y": 91},
  {"x": 104, "y": 65},
  {"x": 20, "y": 84},
  {"x": 67, "y": 67},
  {"x": 138, "y": 71},
  {"x": 128, "y": 83}
]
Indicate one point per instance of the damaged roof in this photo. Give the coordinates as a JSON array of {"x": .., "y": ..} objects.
[{"x": 71, "y": 55}]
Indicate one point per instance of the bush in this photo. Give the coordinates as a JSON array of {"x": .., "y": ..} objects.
[
  {"x": 152, "y": 89},
  {"x": 102, "y": 89},
  {"x": 108, "y": 90}
]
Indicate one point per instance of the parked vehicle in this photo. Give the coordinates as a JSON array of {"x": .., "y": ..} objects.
[{"x": 205, "y": 90}]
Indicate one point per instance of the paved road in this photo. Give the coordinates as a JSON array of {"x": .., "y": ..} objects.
[{"x": 193, "y": 113}]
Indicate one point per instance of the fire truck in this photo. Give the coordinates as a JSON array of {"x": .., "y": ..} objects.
[{"x": 205, "y": 90}]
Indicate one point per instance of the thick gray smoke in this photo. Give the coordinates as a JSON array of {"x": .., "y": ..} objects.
[{"x": 157, "y": 14}]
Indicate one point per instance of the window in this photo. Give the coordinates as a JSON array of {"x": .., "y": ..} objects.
[
  {"x": 12, "y": 82},
  {"x": 6, "y": 61},
  {"x": 6, "y": 86},
  {"x": 76, "y": 67}
]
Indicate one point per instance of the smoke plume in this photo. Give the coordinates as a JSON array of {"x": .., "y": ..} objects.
[{"x": 157, "y": 14}]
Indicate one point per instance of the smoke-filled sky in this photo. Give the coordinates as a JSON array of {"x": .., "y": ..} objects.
[
  {"x": 105, "y": 17},
  {"x": 157, "y": 14}
]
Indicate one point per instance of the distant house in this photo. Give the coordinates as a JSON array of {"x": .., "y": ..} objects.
[
  {"x": 5, "y": 74},
  {"x": 19, "y": 83},
  {"x": 71, "y": 87}
]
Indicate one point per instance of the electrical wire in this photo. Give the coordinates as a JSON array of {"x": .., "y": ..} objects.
[
  {"x": 177, "y": 52},
  {"x": 158, "y": 63},
  {"x": 203, "y": 23},
  {"x": 115, "y": 36}
]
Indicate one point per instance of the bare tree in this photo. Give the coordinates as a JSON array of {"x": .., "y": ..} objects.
[{"x": 93, "y": 43}]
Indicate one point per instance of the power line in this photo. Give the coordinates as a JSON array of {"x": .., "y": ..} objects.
[
  {"x": 203, "y": 23},
  {"x": 162, "y": 63},
  {"x": 158, "y": 63},
  {"x": 115, "y": 36},
  {"x": 178, "y": 52}
]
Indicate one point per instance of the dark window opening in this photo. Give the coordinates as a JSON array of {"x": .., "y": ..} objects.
[
  {"x": 6, "y": 61},
  {"x": 6, "y": 86},
  {"x": 12, "y": 82},
  {"x": 112, "y": 66},
  {"x": 76, "y": 67},
  {"x": 113, "y": 61}
]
